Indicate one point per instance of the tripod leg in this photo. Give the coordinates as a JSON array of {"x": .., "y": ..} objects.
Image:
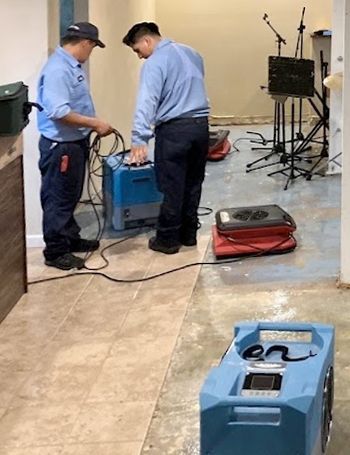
[
  {"x": 292, "y": 144},
  {"x": 284, "y": 128},
  {"x": 266, "y": 157}
]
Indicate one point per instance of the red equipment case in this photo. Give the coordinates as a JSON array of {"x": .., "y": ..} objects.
[
  {"x": 219, "y": 145},
  {"x": 253, "y": 230}
]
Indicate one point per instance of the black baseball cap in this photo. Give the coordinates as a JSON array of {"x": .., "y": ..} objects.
[{"x": 84, "y": 30}]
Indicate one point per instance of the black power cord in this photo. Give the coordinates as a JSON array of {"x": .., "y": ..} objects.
[
  {"x": 167, "y": 272},
  {"x": 95, "y": 164}
]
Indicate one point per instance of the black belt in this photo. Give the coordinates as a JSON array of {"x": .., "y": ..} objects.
[
  {"x": 185, "y": 120},
  {"x": 78, "y": 141}
]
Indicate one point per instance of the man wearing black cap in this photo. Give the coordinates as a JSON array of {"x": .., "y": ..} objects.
[{"x": 65, "y": 123}]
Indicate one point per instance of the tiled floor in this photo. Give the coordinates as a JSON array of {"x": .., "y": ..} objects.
[
  {"x": 83, "y": 359},
  {"x": 88, "y": 366}
]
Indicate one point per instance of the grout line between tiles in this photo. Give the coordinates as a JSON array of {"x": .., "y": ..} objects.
[
  {"x": 173, "y": 350},
  {"x": 32, "y": 370}
]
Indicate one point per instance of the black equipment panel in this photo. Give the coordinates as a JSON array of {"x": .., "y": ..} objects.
[
  {"x": 293, "y": 77},
  {"x": 253, "y": 217},
  {"x": 263, "y": 381}
]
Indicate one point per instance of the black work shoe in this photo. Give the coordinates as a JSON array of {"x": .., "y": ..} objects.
[
  {"x": 66, "y": 262},
  {"x": 189, "y": 241},
  {"x": 156, "y": 245},
  {"x": 84, "y": 246}
]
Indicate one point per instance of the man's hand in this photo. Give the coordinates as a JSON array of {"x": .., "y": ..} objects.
[
  {"x": 102, "y": 128},
  {"x": 77, "y": 120},
  {"x": 138, "y": 154}
]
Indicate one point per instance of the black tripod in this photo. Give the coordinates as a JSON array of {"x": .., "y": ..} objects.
[
  {"x": 324, "y": 121},
  {"x": 293, "y": 171},
  {"x": 303, "y": 146},
  {"x": 279, "y": 132}
]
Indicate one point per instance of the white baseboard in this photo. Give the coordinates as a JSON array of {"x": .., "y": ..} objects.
[{"x": 35, "y": 241}]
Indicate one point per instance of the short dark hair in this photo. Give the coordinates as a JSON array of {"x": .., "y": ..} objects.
[
  {"x": 71, "y": 40},
  {"x": 140, "y": 30}
]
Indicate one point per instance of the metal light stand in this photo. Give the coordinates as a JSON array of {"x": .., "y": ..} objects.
[
  {"x": 300, "y": 42},
  {"x": 304, "y": 145},
  {"x": 278, "y": 146}
]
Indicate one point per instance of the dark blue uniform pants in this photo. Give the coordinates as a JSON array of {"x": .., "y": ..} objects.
[
  {"x": 62, "y": 167},
  {"x": 181, "y": 150}
]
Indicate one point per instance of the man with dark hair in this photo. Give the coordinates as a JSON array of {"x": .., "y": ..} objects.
[
  {"x": 172, "y": 98},
  {"x": 65, "y": 123}
]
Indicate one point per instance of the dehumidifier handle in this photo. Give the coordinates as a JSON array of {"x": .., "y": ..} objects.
[
  {"x": 261, "y": 402},
  {"x": 141, "y": 179},
  {"x": 286, "y": 326}
]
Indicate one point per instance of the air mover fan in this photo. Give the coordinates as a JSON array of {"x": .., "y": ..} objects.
[{"x": 253, "y": 230}]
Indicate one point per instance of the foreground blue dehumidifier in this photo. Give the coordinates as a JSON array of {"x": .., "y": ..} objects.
[
  {"x": 272, "y": 393},
  {"x": 131, "y": 197}
]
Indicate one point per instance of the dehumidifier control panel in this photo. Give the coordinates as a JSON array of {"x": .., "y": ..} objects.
[{"x": 263, "y": 381}]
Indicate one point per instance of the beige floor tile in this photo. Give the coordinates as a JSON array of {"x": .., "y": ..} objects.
[
  {"x": 129, "y": 259},
  {"x": 37, "y": 425},
  {"x": 184, "y": 278},
  {"x": 25, "y": 323},
  {"x": 57, "y": 385},
  {"x": 156, "y": 321},
  {"x": 178, "y": 298},
  {"x": 25, "y": 334},
  {"x": 35, "y": 271},
  {"x": 35, "y": 263},
  {"x": 134, "y": 371},
  {"x": 67, "y": 284},
  {"x": 46, "y": 450},
  {"x": 66, "y": 354},
  {"x": 94, "y": 318},
  {"x": 10, "y": 382},
  {"x": 123, "y": 448},
  {"x": 2, "y": 411},
  {"x": 136, "y": 259},
  {"x": 182, "y": 282},
  {"x": 102, "y": 289},
  {"x": 18, "y": 356},
  {"x": 112, "y": 422},
  {"x": 66, "y": 373}
]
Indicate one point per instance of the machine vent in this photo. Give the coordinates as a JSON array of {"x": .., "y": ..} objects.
[{"x": 250, "y": 215}]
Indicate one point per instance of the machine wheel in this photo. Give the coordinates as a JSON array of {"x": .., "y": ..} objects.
[{"x": 327, "y": 408}]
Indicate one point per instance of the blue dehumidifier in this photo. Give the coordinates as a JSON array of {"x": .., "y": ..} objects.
[
  {"x": 272, "y": 393},
  {"x": 131, "y": 197}
]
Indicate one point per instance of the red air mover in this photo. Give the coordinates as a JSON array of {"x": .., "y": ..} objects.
[
  {"x": 254, "y": 230},
  {"x": 219, "y": 145}
]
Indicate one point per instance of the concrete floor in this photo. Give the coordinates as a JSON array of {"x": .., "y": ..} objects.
[
  {"x": 89, "y": 366},
  {"x": 300, "y": 286}
]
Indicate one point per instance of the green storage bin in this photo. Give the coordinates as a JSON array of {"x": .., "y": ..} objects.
[{"x": 13, "y": 108}]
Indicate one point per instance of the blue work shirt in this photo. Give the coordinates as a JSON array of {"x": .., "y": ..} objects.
[
  {"x": 63, "y": 88},
  {"x": 171, "y": 86}
]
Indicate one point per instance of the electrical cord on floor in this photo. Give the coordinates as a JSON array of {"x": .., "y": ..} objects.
[
  {"x": 207, "y": 211},
  {"x": 102, "y": 255},
  {"x": 96, "y": 159},
  {"x": 167, "y": 272},
  {"x": 238, "y": 140}
]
